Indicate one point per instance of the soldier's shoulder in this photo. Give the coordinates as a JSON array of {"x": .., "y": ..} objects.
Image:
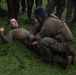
[
  {"x": 21, "y": 28},
  {"x": 53, "y": 16},
  {"x": 24, "y": 29},
  {"x": 10, "y": 32}
]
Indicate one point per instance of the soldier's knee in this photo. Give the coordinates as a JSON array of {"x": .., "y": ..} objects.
[
  {"x": 47, "y": 40},
  {"x": 44, "y": 40}
]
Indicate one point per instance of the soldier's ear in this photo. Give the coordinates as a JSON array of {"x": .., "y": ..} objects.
[{"x": 40, "y": 18}]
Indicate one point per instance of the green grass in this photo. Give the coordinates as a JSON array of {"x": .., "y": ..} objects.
[{"x": 9, "y": 63}]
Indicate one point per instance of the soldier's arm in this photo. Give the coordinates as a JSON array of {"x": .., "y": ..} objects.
[
  {"x": 8, "y": 38},
  {"x": 36, "y": 29},
  {"x": 38, "y": 39}
]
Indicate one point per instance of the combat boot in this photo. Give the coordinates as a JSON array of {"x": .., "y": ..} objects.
[
  {"x": 63, "y": 62},
  {"x": 73, "y": 54},
  {"x": 29, "y": 20},
  {"x": 66, "y": 62}
]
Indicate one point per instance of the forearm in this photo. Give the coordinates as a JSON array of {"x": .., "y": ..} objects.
[
  {"x": 38, "y": 39},
  {"x": 36, "y": 29},
  {"x": 5, "y": 38}
]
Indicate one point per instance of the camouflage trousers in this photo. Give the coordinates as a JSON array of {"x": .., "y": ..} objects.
[
  {"x": 71, "y": 12},
  {"x": 30, "y": 5},
  {"x": 13, "y": 8},
  {"x": 50, "y": 47},
  {"x": 23, "y": 4},
  {"x": 59, "y": 4}
]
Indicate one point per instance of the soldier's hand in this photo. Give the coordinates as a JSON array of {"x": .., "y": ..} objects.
[
  {"x": 1, "y": 29},
  {"x": 32, "y": 37},
  {"x": 35, "y": 43}
]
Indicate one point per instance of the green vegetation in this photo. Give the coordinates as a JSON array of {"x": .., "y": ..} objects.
[{"x": 9, "y": 64}]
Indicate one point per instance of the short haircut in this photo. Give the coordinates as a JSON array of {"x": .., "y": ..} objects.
[{"x": 39, "y": 11}]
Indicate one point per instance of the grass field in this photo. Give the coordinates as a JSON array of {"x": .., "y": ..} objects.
[{"x": 9, "y": 65}]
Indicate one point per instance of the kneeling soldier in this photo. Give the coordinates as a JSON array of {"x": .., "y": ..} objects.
[{"x": 57, "y": 40}]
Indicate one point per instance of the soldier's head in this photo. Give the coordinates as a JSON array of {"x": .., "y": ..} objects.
[
  {"x": 40, "y": 14},
  {"x": 13, "y": 23}
]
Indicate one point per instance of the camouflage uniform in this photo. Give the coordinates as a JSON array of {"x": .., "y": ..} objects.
[
  {"x": 30, "y": 5},
  {"x": 71, "y": 20},
  {"x": 13, "y": 8},
  {"x": 20, "y": 34},
  {"x": 59, "y": 4},
  {"x": 56, "y": 38}
]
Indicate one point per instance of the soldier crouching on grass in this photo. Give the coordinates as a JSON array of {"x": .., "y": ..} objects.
[
  {"x": 20, "y": 34},
  {"x": 57, "y": 40}
]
